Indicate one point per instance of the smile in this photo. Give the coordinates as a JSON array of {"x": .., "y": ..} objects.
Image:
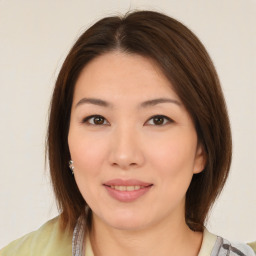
[{"x": 127, "y": 188}]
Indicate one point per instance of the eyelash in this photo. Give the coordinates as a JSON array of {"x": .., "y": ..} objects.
[{"x": 166, "y": 120}]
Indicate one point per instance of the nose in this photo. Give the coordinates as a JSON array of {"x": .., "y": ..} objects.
[{"x": 126, "y": 150}]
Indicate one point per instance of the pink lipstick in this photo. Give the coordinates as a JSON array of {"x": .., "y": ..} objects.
[{"x": 127, "y": 190}]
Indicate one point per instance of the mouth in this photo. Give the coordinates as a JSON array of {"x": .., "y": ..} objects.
[
  {"x": 127, "y": 183},
  {"x": 127, "y": 190}
]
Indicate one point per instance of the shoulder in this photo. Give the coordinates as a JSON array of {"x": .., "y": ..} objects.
[
  {"x": 213, "y": 245},
  {"x": 253, "y": 245},
  {"x": 231, "y": 248},
  {"x": 49, "y": 239}
]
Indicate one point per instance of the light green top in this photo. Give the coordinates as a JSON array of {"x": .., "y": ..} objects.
[
  {"x": 253, "y": 245},
  {"x": 49, "y": 240}
]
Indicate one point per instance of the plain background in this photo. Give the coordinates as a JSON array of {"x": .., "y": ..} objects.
[{"x": 35, "y": 37}]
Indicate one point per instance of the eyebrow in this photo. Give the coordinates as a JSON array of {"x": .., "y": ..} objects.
[
  {"x": 145, "y": 104},
  {"x": 93, "y": 101},
  {"x": 154, "y": 102}
]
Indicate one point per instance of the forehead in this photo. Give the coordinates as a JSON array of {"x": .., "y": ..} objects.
[{"x": 123, "y": 75}]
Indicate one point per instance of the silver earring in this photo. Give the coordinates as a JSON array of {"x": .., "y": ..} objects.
[{"x": 71, "y": 167}]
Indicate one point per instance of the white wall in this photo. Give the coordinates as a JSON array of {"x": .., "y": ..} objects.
[{"x": 34, "y": 39}]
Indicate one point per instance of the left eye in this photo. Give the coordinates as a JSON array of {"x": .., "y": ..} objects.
[
  {"x": 95, "y": 120},
  {"x": 159, "y": 120}
]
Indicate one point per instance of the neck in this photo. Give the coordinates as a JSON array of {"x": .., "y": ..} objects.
[{"x": 161, "y": 239}]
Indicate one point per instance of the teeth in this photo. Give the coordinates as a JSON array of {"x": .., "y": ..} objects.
[{"x": 127, "y": 188}]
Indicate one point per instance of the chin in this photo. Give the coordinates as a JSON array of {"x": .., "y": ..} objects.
[
  {"x": 129, "y": 226},
  {"x": 126, "y": 222}
]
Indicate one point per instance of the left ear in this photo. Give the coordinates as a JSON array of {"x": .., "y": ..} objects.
[{"x": 200, "y": 159}]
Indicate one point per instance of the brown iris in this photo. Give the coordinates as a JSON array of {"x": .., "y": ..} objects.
[
  {"x": 158, "y": 120},
  {"x": 98, "y": 120}
]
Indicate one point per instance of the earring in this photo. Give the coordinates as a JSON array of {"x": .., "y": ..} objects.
[{"x": 71, "y": 167}]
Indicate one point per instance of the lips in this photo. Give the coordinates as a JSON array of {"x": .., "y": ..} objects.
[
  {"x": 127, "y": 190},
  {"x": 120, "y": 182}
]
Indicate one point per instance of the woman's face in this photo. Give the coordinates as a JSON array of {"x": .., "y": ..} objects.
[{"x": 133, "y": 144}]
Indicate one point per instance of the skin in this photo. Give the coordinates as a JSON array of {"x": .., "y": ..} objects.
[{"x": 130, "y": 144}]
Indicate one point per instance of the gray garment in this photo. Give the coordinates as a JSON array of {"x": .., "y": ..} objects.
[
  {"x": 78, "y": 240},
  {"x": 222, "y": 247}
]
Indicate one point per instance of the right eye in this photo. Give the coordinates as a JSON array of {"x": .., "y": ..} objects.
[{"x": 95, "y": 120}]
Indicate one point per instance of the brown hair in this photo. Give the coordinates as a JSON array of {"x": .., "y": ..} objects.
[{"x": 187, "y": 65}]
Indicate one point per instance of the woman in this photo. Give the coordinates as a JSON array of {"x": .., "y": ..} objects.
[{"x": 139, "y": 144}]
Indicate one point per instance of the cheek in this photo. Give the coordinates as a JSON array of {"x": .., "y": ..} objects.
[
  {"x": 173, "y": 153},
  {"x": 87, "y": 152},
  {"x": 174, "y": 156},
  {"x": 173, "y": 163}
]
